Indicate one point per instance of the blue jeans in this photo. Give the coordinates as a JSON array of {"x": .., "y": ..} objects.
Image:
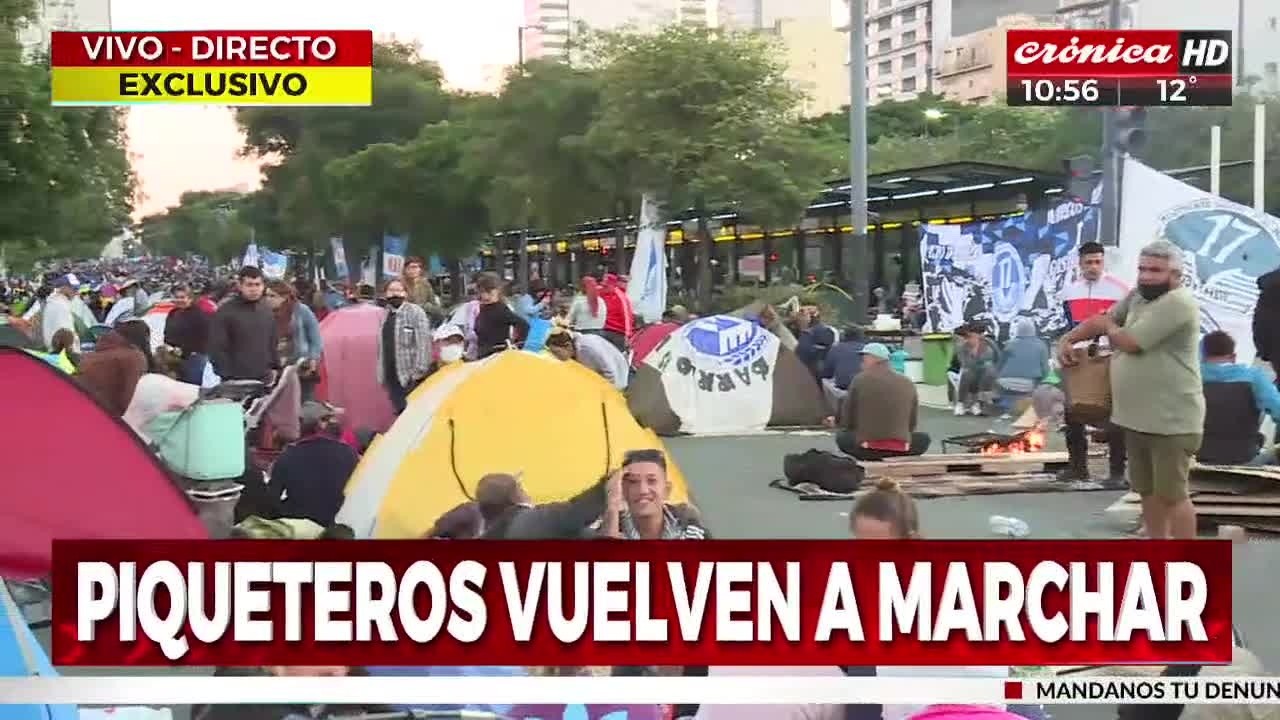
[{"x": 193, "y": 369}]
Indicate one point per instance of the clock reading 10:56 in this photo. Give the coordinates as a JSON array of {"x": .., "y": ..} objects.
[{"x": 1061, "y": 91}]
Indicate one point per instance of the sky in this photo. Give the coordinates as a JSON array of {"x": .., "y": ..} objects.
[{"x": 176, "y": 149}]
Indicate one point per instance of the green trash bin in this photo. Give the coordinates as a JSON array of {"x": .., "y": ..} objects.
[{"x": 938, "y": 349}]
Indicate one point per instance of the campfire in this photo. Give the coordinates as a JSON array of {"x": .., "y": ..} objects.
[{"x": 1027, "y": 441}]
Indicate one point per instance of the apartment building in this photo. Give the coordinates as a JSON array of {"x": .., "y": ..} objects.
[
  {"x": 54, "y": 15},
  {"x": 1257, "y": 48},
  {"x": 816, "y": 57},
  {"x": 550, "y": 23},
  {"x": 974, "y": 66},
  {"x": 903, "y": 37}
]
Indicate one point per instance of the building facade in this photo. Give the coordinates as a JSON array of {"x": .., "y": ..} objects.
[
  {"x": 550, "y": 24},
  {"x": 902, "y": 38},
  {"x": 815, "y": 59},
  {"x": 54, "y": 15},
  {"x": 974, "y": 66},
  {"x": 1257, "y": 48}
]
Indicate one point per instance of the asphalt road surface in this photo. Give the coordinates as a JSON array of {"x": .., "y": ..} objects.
[{"x": 730, "y": 475}]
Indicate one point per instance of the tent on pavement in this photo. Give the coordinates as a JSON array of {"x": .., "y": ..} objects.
[
  {"x": 349, "y": 367},
  {"x": 648, "y": 339},
  {"x": 723, "y": 374},
  {"x": 558, "y": 424},
  {"x": 22, "y": 656},
  {"x": 73, "y": 471}
]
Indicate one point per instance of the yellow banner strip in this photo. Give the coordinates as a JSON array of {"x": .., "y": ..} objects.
[{"x": 207, "y": 85}]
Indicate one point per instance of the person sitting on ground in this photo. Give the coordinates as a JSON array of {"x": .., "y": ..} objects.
[
  {"x": 594, "y": 352},
  {"x": 1235, "y": 397},
  {"x": 496, "y": 324},
  {"x": 814, "y": 339},
  {"x": 880, "y": 412},
  {"x": 842, "y": 363},
  {"x": 638, "y": 507},
  {"x": 310, "y": 475},
  {"x": 510, "y": 514},
  {"x": 1025, "y": 361},
  {"x": 977, "y": 358}
]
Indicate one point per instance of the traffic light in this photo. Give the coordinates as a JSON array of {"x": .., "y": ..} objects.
[
  {"x": 1080, "y": 177},
  {"x": 1131, "y": 132}
]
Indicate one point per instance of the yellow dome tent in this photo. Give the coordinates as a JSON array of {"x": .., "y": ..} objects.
[{"x": 558, "y": 424}]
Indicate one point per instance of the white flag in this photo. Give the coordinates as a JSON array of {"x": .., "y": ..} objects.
[{"x": 647, "y": 287}]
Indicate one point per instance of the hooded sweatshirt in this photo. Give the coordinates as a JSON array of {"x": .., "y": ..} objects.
[
  {"x": 111, "y": 372},
  {"x": 1026, "y": 357}
]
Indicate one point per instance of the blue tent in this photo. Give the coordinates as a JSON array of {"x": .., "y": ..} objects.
[{"x": 22, "y": 656}]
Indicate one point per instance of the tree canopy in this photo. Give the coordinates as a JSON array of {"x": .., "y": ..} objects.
[{"x": 66, "y": 186}]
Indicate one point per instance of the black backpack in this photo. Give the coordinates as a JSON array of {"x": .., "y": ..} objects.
[{"x": 831, "y": 472}]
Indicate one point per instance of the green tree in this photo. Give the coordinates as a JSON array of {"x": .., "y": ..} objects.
[
  {"x": 212, "y": 224},
  {"x": 66, "y": 186},
  {"x": 710, "y": 118},
  {"x": 531, "y": 142},
  {"x": 299, "y": 143},
  {"x": 418, "y": 188}
]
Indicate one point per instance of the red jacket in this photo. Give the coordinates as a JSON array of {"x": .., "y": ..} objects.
[{"x": 619, "y": 315}]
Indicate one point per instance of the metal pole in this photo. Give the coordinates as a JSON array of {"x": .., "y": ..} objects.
[
  {"x": 522, "y": 253},
  {"x": 1215, "y": 159},
  {"x": 520, "y": 48},
  {"x": 1240, "y": 74},
  {"x": 856, "y": 263},
  {"x": 1110, "y": 159},
  {"x": 1260, "y": 156}
]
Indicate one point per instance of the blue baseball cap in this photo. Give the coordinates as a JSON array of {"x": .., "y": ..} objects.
[{"x": 876, "y": 350}]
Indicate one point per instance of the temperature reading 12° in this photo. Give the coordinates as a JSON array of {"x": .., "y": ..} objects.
[{"x": 1174, "y": 90}]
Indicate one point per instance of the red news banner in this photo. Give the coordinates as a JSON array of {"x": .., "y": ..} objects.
[
  {"x": 240, "y": 603},
  {"x": 1119, "y": 67},
  {"x": 213, "y": 67}
]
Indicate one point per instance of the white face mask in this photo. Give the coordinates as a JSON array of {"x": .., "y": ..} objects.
[{"x": 450, "y": 353}]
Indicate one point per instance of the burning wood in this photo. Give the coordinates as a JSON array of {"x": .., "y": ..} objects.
[{"x": 1027, "y": 441}]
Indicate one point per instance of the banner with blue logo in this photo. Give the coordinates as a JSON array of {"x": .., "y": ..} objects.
[
  {"x": 274, "y": 265},
  {"x": 996, "y": 271},
  {"x": 648, "y": 286},
  {"x": 717, "y": 373},
  {"x": 394, "y": 248},
  {"x": 1226, "y": 247},
  {"x": 340, "y": 269}
]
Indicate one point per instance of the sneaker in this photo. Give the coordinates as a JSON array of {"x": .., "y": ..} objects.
[
  {"x": 959, "y": 409},
  {"x": 1115, "y": 481},
  {"x": 1073, "y": 473},
  {"x": 975, "y": 409}
]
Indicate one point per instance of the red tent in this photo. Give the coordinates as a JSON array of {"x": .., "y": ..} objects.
[
  {"x": 72, "y": 471},
  {"x": 349, "y": 367},
  {"x": 648, "y": 340}
]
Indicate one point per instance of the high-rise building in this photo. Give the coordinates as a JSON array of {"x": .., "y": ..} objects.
[
  {"x": 815, "y": 58},
  {"x": 1257, "y": 48},
  {"x": 974, "y": 66},
  {"x": 550, "y": 23},
  {"x": 902, "y": 39},
  {"x": 54, "y": 15}
]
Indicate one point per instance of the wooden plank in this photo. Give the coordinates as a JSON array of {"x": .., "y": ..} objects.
[
  {"x": 1001, "y": 466},
  {"x": 1262, "y": 511},
  {"x": 1209, "y": 498},
  {"x": 951, "y": 458}
]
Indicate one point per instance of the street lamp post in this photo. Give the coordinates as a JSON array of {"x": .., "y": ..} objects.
[
  {"x": 522, "y": 253},
  {"x": 855, "y": 256}
]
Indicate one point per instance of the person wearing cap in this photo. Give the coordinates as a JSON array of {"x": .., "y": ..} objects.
[
  {"x": 880, "y": 413},
  {"x": 58, "y": 313},
  {"x": 450, "y": 344},
  {"x": 309, "y": 477}
]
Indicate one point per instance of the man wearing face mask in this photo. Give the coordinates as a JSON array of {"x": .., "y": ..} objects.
[
  {"x": 404, "y": 350},
  {"x": 1156, "y": 390}
]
